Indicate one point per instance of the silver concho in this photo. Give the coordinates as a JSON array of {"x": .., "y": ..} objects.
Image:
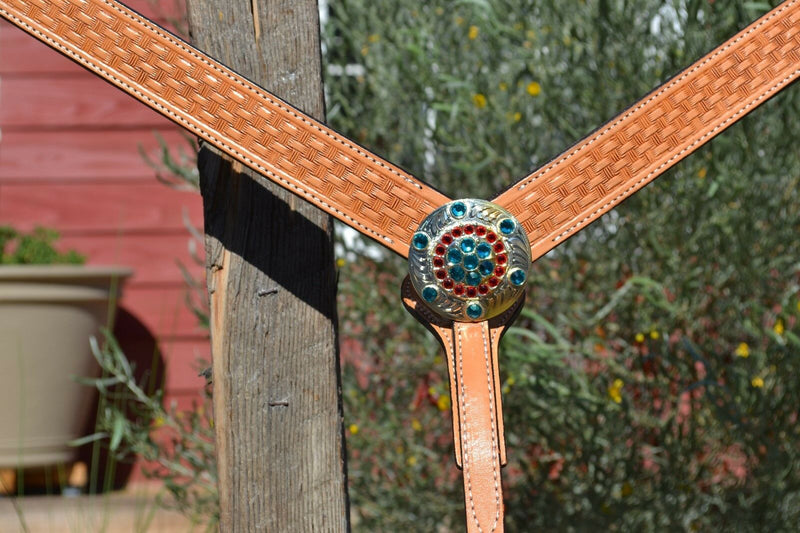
[{"x": 469, "y": 260}]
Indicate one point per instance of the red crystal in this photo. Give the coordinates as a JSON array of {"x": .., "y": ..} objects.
[
  {"x": 438, "y": 262},
  {"x": 469, "y": 229},
  {"x": 480, "y": 231},
  {"x": 447, "y": 238},
  {"x": 459, "y": 289},
  {"x": 448, "y": 284},
  {"x": 440, "y": 249},
  {"x": 494, "y": 281},
  {"x": 472, "y": 292},
  {"x": 499, "y": 271},
  {"x": 491, "y": 237},
  {"x": 498, "y": 247},
  {"x": 441, "y": 274},
  {"x": 501, "y": 259},
  {"x": 483, "y": 289},
  {"x": 456, "y": 232}
]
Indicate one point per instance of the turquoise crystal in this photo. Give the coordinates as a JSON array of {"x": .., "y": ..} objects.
[
  {"x": 507, "y": 226},
  {"x": 420, "y": 241},
  {"x": 468, "y": 245},
  {"x": 473, "y": 279},
  {"x": 453, "y": 256},
  {"x": 474, "y": 310},
  {"x": 517, "y": 277},
  {"x": 458, "y": 209},
  {"x": 457, "y": 273},
  {"x": 429, "y": 294},
  {"x": 471, "y": 262}
]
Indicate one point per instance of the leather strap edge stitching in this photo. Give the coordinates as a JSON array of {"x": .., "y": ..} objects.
[
  {"x": 529, "y": 180},
  {"x": 240, "y": 81},
  {"x": 713, "y": 132}
]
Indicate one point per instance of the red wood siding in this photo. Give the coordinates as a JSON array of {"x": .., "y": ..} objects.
[{"x": 69, "y": 159}]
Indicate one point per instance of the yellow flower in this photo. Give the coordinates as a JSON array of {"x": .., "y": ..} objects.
[
  {"x": 702, "y": 173},
  {"x": 614, "y": 391},
  {"x": 479, "y": 100},
  {"x": 757, "y": 382},
  {"x": 415, "y": 425},
  {"x": 534, "y": 88},
  {"x": 511, "y": 381},
  {"x": 627, "y": 489},
  {"x": 743, "y": 350},
  {"x": 473, "y": 33},
  {"x": 778, "y": 328},
  {"x": 374, "y": 38},
  {"x": 503, "y": 86},
  {"x": 459, "y": 21},
  {"x": 412, "y": 460},
  {"x": 364, "y": 50},
  {"x": 530, "y": 34},
  {"x": 516, "y": 117},
  {"x": 440, "y": 11},
  {"x": 158, "y": 422},
  {"x": 654, "y": 335},
  {"x": 353, "y": 429},
  {"x": 443, "y": 403},
  {"x": 340, "y": 262},
  {"x": 798, "y": 305},
  {"x": 639, "y": 338}
]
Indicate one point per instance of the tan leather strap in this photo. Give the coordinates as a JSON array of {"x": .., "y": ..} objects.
[
  {"x": 248, "y": 123},
  {"x": 471, "y": 351},
  {"x": 599, "y": 172}
]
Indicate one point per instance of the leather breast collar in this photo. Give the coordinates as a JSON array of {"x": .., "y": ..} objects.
[{"x": 468, "y": 258}]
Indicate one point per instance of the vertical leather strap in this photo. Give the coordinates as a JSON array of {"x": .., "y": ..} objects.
[
  {"x": 471, "y": 350},
  {"x": 478, "y": 399}
]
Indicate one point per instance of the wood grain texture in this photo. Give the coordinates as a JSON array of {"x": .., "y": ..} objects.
[{"x": 272, "y": 287}]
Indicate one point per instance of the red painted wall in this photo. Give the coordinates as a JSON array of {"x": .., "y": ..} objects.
[{"x": 69, "y": 159}]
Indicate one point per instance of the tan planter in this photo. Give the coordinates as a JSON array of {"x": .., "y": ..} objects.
[{"x": 47, "y": 314}]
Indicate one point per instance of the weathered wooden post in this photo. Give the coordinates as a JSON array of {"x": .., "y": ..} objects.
[{"x": 272, "y": 287}]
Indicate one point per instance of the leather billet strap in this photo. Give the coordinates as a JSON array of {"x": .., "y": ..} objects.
[
  {"x": 633, "y": 149},
  {"x": 478, "y": 435},
  {"x": 243, "y": 120}
]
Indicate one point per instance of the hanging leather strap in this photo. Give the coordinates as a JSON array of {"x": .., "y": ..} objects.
[
  {"x": 633, "y": 149},
  {"x": 248, "y": 123},
  {"x": 471, "y": 353}
]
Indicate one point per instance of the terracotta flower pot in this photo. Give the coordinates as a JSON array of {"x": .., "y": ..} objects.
[{"x": 47, "y": 314}]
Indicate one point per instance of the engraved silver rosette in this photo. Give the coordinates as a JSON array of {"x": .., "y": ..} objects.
[{"x": 469, "y": 260}]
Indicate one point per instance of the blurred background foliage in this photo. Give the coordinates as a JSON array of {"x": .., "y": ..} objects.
[{"x": 653, "y": 381}]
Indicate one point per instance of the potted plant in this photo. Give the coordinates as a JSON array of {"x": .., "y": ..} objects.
[{"x": 50, "y": 305}]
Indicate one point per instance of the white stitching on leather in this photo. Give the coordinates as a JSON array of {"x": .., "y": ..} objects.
[
  {"x": 255, "y": 89},
  {"x": 527, "y": 181},
  {"x": 495, "y": 451},
  {"x": 669, "y": 161},
  {"x": 464, "y": 433}
]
